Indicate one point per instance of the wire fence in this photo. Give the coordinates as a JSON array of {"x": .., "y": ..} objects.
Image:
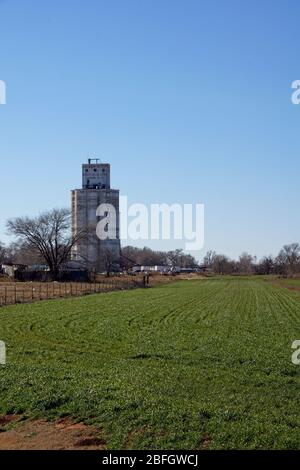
[{"x": 18, "y": 292}]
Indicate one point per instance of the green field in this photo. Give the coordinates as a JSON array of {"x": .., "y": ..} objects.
[{"x": 195, "y": 364}]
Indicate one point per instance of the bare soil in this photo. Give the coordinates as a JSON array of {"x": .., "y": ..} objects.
[{"x": 63, "y": 434}]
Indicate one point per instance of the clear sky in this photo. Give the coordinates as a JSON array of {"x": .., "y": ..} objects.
[{"x": 189, "y": 100}]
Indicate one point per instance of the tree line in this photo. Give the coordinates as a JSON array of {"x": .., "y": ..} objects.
[
  {"x": 286, "y": 263},
  {"x": 131, "y": 256}
]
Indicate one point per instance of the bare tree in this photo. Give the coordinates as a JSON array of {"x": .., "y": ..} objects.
[
  {"x": 148, "y": 257},
  {"x": 265, "y": 266},
  {"x": 110, "y": 261},
  {"x": 174, "y": 259},
  {"x": 49, "y": 234},
  {"x": 246, "y": 263},
  {"x": 222, "y": 264},
  {"x": 288, "y": 260},
  {"x": 179, "y": 258},
  {"x": 218, "y": 263},
  {"x": 209, "y": 259},
  {"x": 3, "y": 253},
  {"x": 23, "y": 253}
]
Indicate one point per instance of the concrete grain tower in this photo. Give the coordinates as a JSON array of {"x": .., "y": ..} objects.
[{"x": 90, "y": 251}]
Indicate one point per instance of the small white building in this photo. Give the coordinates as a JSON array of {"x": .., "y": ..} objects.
[{"x": 156, "y": 269}]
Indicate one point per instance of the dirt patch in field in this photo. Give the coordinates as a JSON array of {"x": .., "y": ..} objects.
[
  {"x": 7, "y": 419},
  {"x": 205, "y": 442},
  {"x": 44, "y": 435},
  {"x": 285, "y": 285}
]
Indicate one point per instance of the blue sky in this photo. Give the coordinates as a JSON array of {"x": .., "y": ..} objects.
[{"x": 190, "y": 101}]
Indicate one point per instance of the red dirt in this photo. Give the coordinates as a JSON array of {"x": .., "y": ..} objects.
[
  {"x": 205, "y": 442},
  {"x": 45, "y": 435},
  {"x": 7, "y": 419}
]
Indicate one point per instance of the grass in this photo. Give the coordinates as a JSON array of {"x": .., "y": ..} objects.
[{"x": 195, "y": 364}]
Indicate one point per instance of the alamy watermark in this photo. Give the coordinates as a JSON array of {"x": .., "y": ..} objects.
[
  {"x": 296, "y": 353},
  {"x": 184, "y": 222},
  {"x": 295, "y": 98},
  {"x": 2, "y": 353},
  {"x": 2, "y": 92}
]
